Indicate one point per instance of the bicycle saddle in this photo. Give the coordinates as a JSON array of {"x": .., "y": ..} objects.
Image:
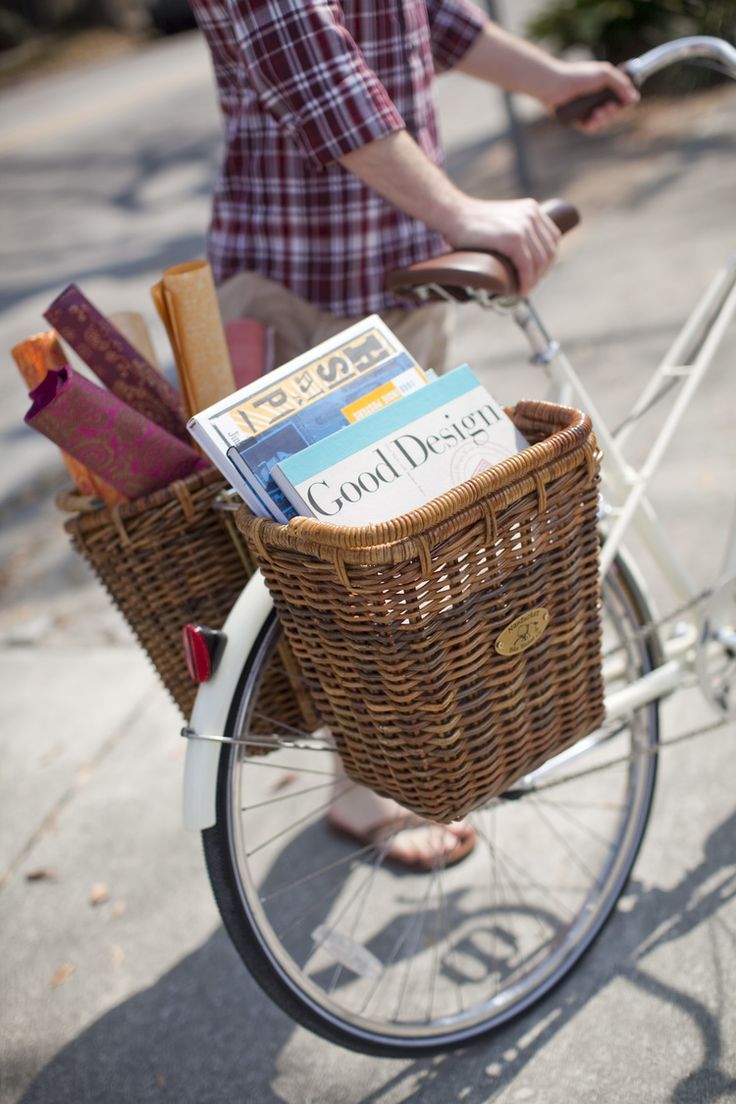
[{"x": 462, "y": 274}]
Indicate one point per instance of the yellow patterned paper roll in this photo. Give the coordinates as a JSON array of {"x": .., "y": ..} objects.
[{"x": 187, "y": 303}]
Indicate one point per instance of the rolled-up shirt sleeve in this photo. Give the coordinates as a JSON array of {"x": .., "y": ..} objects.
[
  {"x": 455, "y": 25},
  {"x": 311, "y": 76}
]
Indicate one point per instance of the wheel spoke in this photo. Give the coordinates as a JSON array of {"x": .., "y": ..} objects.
[{"x": 394, "y": 959}]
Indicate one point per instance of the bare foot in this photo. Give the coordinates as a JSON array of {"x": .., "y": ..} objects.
[{"x": 405, "y": 838}]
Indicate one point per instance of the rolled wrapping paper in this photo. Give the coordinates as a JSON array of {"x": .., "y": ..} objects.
[
  {"x": 115, "y": 361},
  {"x": 186, "y": 300},
  {"x": 125, "y": 448},
  {"x": 36, "y": 357},
  {"x": 250, "y": 344},
  {"x": 134, "y": 329}
]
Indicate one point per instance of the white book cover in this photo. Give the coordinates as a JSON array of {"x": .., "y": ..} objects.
[
  {"x": 255, "y": 457},
  {"x": 402, "y": 456},
  {"x": 292, "y": 387}
]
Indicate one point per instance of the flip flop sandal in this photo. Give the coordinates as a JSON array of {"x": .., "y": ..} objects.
[{"x": 381, "y": 836}]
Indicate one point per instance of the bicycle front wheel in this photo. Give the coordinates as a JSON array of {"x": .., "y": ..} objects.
[{"x": 391, "y": 962}]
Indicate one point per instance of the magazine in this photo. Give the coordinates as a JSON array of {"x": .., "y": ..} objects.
[
  {"x": 293, "y": 386},
  {"x": 402, "y": 456},
  {"x": 255, "y": 456}
]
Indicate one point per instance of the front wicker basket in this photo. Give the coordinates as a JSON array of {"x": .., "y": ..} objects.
[
  {"x": 398, "y": 628},
  {"x": 167, "y": 559}
]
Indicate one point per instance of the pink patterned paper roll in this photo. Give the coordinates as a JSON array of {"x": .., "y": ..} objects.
[
  {"x": 250, "y": 344},
  {"x": 115, "y": 361},
  {"x": 36, "y": 357},
  {"x": 120, "y": 445}
]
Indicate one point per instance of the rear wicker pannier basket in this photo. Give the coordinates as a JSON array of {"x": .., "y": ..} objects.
[
  {"x": 455, "y": 648},
  {"x": 167, "y": 559}
]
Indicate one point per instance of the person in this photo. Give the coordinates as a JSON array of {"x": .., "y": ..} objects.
[
  {"x": 332, "y": 173},
  {"x": 333, "y": 176}
]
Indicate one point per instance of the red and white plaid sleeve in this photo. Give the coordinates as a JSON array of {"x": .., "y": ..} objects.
[
  {"x": 311, "y": 76},
  {"x": 455, "y": 24}
]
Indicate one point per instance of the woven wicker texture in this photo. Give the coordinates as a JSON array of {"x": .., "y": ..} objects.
[
  {"x": 167, "y": 559},
  {"x": 395, "y": 626}
]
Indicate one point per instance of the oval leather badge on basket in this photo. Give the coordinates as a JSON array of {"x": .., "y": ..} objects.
[{"x": 522, "y": 632}]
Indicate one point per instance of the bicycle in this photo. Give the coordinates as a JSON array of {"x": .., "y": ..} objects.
[{"x": 403, "y": 964}]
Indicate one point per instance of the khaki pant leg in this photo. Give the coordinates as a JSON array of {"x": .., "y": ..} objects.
[{"x": 298, "y": 325}]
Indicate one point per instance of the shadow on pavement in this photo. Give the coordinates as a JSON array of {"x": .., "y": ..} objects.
[
  {"x": 205, "y": 1033},
  {"x": 132, "y": 188},
  {"x": 667, "y": 135}
]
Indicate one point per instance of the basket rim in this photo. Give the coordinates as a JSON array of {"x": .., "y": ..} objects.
[
  {"x": 91, "y": 513},
  {"x": 567, "y": 445}
]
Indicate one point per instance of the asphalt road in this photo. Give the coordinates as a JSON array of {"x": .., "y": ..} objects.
[{"x": 139, "y": 996}]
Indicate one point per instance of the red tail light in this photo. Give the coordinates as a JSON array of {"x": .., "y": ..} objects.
[{"x": 202, "y": 650}]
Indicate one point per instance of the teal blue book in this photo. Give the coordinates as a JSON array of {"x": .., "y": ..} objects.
[
  {"x": 402, "y": 456},
  {"x": 254, "y": 457}
]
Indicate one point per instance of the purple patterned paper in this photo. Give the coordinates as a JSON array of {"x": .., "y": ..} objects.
[
  {"x": 115, "y": 361},
  {"x": 114, "y": 441}
]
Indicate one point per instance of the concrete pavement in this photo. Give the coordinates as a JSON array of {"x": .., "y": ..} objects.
[{"x": 118, "y": 982}]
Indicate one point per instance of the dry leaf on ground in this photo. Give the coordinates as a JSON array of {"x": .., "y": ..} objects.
[
  {"x": 99, "y": 894},
  {"x": 41, "y": 874},
  {"x": 62, "y": 974}
]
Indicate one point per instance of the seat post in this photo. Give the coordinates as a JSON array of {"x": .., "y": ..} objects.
[{"x": 544, "y": 348}]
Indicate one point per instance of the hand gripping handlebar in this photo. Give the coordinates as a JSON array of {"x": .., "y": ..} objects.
[{"x": 693, "y": 48}]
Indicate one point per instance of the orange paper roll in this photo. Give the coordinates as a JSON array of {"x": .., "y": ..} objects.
[
  {"x": 186, "y": 300},
  {"x": 36, "y": 357}
]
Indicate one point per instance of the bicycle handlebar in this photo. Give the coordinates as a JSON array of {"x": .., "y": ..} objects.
[{"x": 639, "y": 69}]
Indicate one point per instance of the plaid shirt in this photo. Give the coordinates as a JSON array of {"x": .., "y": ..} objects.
[{"x": 301, "y": 83}]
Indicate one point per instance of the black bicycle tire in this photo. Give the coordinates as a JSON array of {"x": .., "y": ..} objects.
[{"x": 220, "y": 868}]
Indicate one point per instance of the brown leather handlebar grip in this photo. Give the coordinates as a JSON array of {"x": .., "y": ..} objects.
[
  {"x": 563, "y": 214},
  {"x": 581, "y": 108}
]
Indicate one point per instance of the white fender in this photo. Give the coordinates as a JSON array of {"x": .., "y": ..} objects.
[{"x": 213, "y": 702}]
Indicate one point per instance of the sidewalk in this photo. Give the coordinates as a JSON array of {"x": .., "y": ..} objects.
[{"x": 119, "y": 982}]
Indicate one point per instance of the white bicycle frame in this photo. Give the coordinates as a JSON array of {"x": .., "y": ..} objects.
[
  {"x": 626, "y": 502},
  {"x": 687, "y": 361},
  {"x": 625, "y": 488}
]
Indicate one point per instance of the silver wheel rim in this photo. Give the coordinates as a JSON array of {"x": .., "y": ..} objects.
[{"x": 454, "y": 961}]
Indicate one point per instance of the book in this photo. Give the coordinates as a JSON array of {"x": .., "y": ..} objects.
[
  {"x": 403, "y": 456},
  {"x": 255, "y": 457},
  {"x": 348, "y": 355}
]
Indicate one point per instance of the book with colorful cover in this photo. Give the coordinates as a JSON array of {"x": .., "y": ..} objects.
[
  {"x": 255, "y": 456},
  {"x": 293, "y": 386},
  {"x": 402, "y": 456}
]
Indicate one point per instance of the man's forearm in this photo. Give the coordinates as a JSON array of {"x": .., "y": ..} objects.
[
  {"x": 399, "y": 170},
  {"x": 512, "y": 63},
  {"x": 518, "y": 66}
]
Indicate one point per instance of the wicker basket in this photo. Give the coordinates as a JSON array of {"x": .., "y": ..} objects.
[
  {"x": 167, "y": 559},
  {"x": 455, "y": 648}
]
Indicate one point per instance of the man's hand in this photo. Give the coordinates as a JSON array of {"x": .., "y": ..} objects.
[
  {"x": 512, "y": 63},
  {"x": 517, "y": 228},
  {"x": 582, "y": 78},
  {"x": 402, "y": 173}
]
